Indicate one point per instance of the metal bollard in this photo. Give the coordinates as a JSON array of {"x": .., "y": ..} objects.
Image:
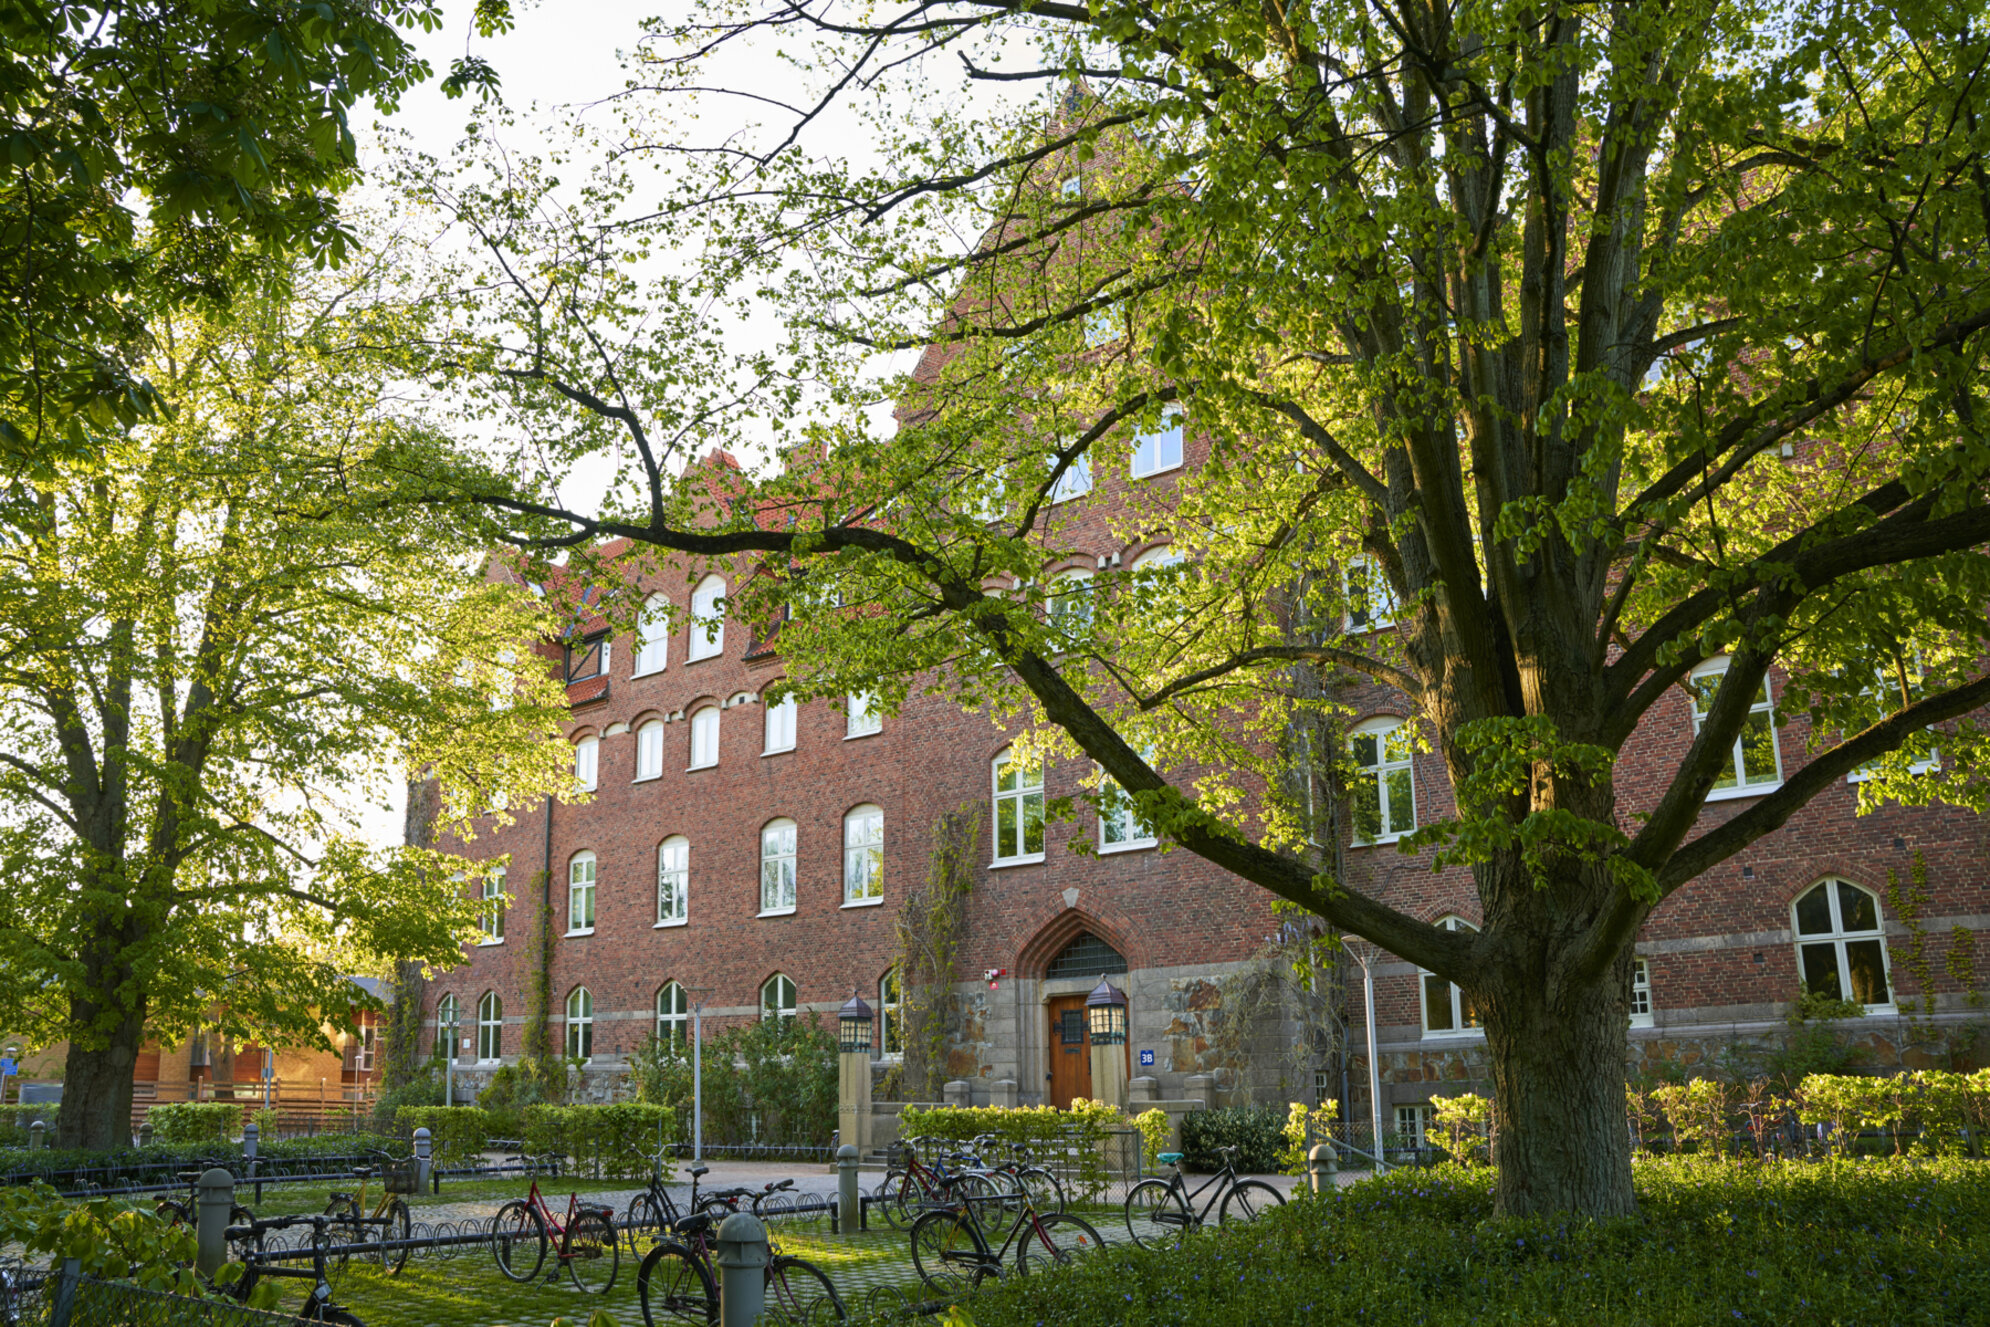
[
  {"x": 1321, "y": 1167},
  {"x": 849, "y": 1203},
  {"x": 422, "y": 1148},
  {"x": 145, "y": 1134},
  {"x": 742, "y": 1258},
  {"x": 37, "y": 1135},
  {"x": 216, "y": 1188},
  {"x": 250, "y": 1136}
]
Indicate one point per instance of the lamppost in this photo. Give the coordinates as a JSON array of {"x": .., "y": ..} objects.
[
  {"x": 1366, "y": 957},
  {"x": 1105, "y": 1028},
  {"x": 855, "y": 1025},
  {"x": 856, "y": 1031}
]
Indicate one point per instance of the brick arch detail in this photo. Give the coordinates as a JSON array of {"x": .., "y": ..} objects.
[{"x": 1051, "y": 938}]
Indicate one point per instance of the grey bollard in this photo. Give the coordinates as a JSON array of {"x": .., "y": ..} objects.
[
  {"x": 145, "y": 1134},
  {"x": 37, "y": 1135},
  {"x": 849, "y": 1203},
  {"x": 742, "y": 1258},
  {"x": 422, "y": 1149},
  {"x": 216, "y": 1189},
  {"x": 1321, "y": 1168}
]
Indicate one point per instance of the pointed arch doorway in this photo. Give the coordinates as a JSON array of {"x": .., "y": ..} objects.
[{"x": 1084, "y": 957}]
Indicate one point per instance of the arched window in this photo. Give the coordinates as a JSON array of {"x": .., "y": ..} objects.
[
  {"x": 448, "y": 1021},
  {"x": 649, "y": 750},
  {"x": 653, "y": 636},
  {"x": 1018, "y": 810},
  {"x": 1158, "y": 558},
  {"x": 777, "y": 868},
  {"x": 1447, "y": 1010},
  {"x": 1841, "y": 944},
  {"x": 673, "y": 1015},
  {"x": 490, "y": 1026},
  {"x": 1071, "y": 602},
  {"x": 492, "y": 918},
  {"x": 781, "y": 725},
  {"x": 705, "y": 738},
  {"x": 708, "y": 623},
  {"x": 1383, "y": 790},
  {"x": 1161, "y": 449},
  {"x": 580, "y": 1024},
  {"x": 1755, "y": 764},
  {"x": 1085, "y": 956},
  {"x": 1371, "y": 603},
  {"x": 891, "y": 1006},
  {"x": 673, "y": 881},
  {"x": 587, "y": 760},
  {"x": 580, "y": 894},
  {"x": 863, "y": 856},
  {"x": 862, "y": 719},
  {"x": 777, "y": 998}
]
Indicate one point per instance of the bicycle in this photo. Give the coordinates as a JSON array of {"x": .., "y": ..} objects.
[
  {"x": 951, "y": 1251},
  {"x": 390, "y": 1216},
  {"x": 319, "y": 1305},
  {"x": 176, "y": 1213},
  {"x": 1024, "y": 1178},
  {"x": 907, "y": 1191},
  {"x": 1160, "y": 1212},
  {"x": 654, "y": 1207},
  {"x": 586, "y": 1239},
  {"x": 676, "y": 1282}
]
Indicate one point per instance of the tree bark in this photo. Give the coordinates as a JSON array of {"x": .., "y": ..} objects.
[{"x": 96, "y": 1082}]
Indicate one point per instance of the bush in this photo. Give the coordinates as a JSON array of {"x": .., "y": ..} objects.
[
  {"x": 1301, "y": 1123},
  {"x": 1466, "y": 1124},
  {"x": 161, "y": 1160},
  {"x": 1258, "y": 1132},
  {"x": 195, "y": 1121},
  {"x": 765, "y": 1081},
  {"x": 457, "y": 1135},
  {"x": 422, "y": 1087},
  {"x": 603, "y": 1142},
  {"x": 513, "y": 1090},
  {"x": 1072, "y": 1139},
  {"x": 14, "y": 1122}
]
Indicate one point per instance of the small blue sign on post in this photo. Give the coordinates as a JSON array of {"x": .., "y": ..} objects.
[
  {"x": 1146, "y": 1059},
  {"x": 7, "y": 1067}
]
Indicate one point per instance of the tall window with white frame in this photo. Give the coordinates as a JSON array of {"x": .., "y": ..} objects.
[
  {"x": 861, "y": 719},
  {"x": 1018, "y": 810},
  {"x": 1159, "y": 450},
  {"x": 653, "y": 636},
  {"x": 1755, "y": 764},
  {"x": 777, "y": 999},
  {"x": 649, "y": 750},
  {"x": 362, "y": 1047},
  {"x": 891, "y": 1022},
  {"x": 1070, "y": 605},
  {"x": 448, "y": 1021},
  {"x": 1076, "y": 481},
  {"x": 1447, "y": 1010},
  {"x": 673, "y": 1015},
  {"x": 863, "y": 856},
  {"x": 580, "y": 894},
  {"x": 1640, "y": 1001},
  {"x": 1120, "y": 827},
  {"x": 1841, "y": 945},
  {"x": 1383, "y": 790},
  {"x": 492, "y": 919},
  {"x": 781, "y": 726},
  {"x": 580, "y": 1024},
  {"x": 708, "y": 623},
  {"x": 587, "y": 761},
  {"x": 1371, "y": 602},
  {"x": 1413, "y": 1125},
  {"x": 490, "y": 1027},
  {"x": 705, "y": 738},
  {"x": 777, "y": 868},
  {"x": 673, "y": 881}
]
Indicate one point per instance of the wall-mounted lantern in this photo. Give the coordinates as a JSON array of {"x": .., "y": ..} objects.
[
  {"x": 1105, "y": 1013},
  {"x": 855, "y": 1024}
]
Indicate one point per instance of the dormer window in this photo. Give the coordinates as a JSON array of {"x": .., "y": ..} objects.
[{"x": 587, "y": 658}]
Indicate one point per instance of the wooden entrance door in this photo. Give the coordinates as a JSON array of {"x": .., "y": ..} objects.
[{"x": 1070, "y": 1056}]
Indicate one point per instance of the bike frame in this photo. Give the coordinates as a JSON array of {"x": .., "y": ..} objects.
[
  {"x": 1179, "y": 1187},
  {"x": 984, "y": 1252},
  {"x": 554, "y": 1226}
]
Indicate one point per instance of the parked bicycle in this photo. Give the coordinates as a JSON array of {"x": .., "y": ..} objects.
[
  {"x": 912, "y": 1187},
  {"x": 677, "y": 1282},
  {"x": 951, "y": 1248},
  {"x": 185, "y": 1211},
  {"x": 584, "y": 1241},
  {"x": 1160, "y": 1212},
  {"x": 389, "y": 1219},
  {"x": 319, "y": 1306},
  {"x": 1018, "y": 1173}
]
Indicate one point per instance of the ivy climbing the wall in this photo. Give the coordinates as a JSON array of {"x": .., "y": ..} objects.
[{"x": 930, "y": 926}]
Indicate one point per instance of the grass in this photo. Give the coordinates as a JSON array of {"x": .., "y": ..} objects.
[{"x": 292, "y": 1199}]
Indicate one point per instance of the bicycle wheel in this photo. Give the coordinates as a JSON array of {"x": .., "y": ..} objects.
[
  {"x": 945, "y": 1251},
  {"x": 173, "y": 1213},
  {"x": 1247, "y": 1201},
  {"x": 343, "y": 1229},
  {"x": 399, "y": 1225},
  {"x": 981, "y": 1192},
  {"x": 1059, "y": 1240},
  {"x": 1045, "y": 1192},
  {"x": 899, "y": 1199},
  {"x": 799, "y": 1294},
  {"x": 518, "y": 1241},
  {"x": 592, "y": 1252},
  {"x": 675, "y": 1288},
  {"x": 644, "y": 1217},
  {"x": 1156, "y": 1217},
  {"x": 238, "y": 1248}
]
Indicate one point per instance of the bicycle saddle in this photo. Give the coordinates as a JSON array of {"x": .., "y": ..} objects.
[
  {"x": 776, "y": 1188},
  {"x": 695, "y": 1223},
  {"x": 700, "y": 1171},
  {"x": 362, "y": 1172},
  {"x": 1169, "y": 1158}
]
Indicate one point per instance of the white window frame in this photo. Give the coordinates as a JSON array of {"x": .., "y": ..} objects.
[
  {"x": 1381, "y": 729},
  {"x": 708, "y": 621},
  {"x": 891, "y": 1009},
  {"x": 1171, "y": 434},
  {"x": 780, "y": 984},
  {"x": 580, "y": 1024},
  {"x": 1838, "y": 937},
  {"x": 860, "y": 715},
  {"x": 1022, "y": 794},
  {"x": 653, "y": 637},
  {"x": 1457, "y": 1011},
  {"x": 1884, "y": 683},
  {"x": 491, "y": 922},
  {"x": 780, "y": 843},
  {"x": 583, "y": 878},
  {"x": 863, "y": 856},
  {"x": 490, "y": 1028},
  {"x": 780, "y": 728},
  {"x": 673, "y": 1015},
  {"x": 1363, "y": 568},
  {"x": 1737, "y": 768},
  {"x": 448, "y": 1025},
  {"x": 704, "y": 737},
  {"x": 673, "y": 881},
  {"x": 587, "y": 762},
  {"x": 1641, "y": 1006},
  {"x": 1413, "y": 1123},
  {"x": 1114, "y": 802},
  {"x": 1071, "y": 608},
  {"x": 363, "y": 1045},
  {"x": 1075, "y": 482},
  {"x": 649, "y": 751}
]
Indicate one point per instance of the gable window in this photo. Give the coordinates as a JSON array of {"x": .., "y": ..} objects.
[
  {"x": 1447, "y": 1010},
  {"x": 1160, "y": 450},
  {"x": 447, "y": 1020},
  {"x": 891, "y": 1006},
  {"x": 1071, "y": 603},
  {"x": 1120, "y": 825},
  {"x": 781, "y": 725},
  {"x": 587, "y": 761},
  {"x": 1640, "y": 993},
  {"x": 673, "y": 1015},
  {"x": 649, "y": 750},
  {"x": 492, "y": 919},
  {"x": 490, "y": 1026},
  {"x": 673, "y": 881},
  {"x": 1075, "y": 482},
  {"x": 708, "y": 623},
  {"x": 777, "y": 868},
  {"x": 580, "y": 894},
  {"x": 1755, "y": 764},
  {"x": 705, "y": 738},
  {"x": 863, "y": 719},
  {"x": 580, "y": 1025},
  {"x": 1383, "y": 789},
  {"x": 653, "y": 636},
  {"x": 1841, "y": 944},
  {"x": 777, "y": 999},
  {"x": 1371, "y": 603},
  {"x": 1018, "y": 810},
  {"x": 863, "y": 856},
  {"x": 587, "y": 658}
]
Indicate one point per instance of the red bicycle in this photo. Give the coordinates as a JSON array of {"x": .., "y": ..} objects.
[{"x": 584, "y": 1242}]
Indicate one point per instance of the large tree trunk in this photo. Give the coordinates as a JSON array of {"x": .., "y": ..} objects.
[{"x": 96, "y": 1083}]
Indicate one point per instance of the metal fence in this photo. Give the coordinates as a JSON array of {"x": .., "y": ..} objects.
[{"x": 65, "y": 1299}]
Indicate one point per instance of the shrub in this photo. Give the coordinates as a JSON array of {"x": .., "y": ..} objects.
[
  {"x": 765, "y": 1080},
  {"x": 457, "y": 1135},
  {"x": 513, "y": 1090},
  {"x": 195, "y": 1121},
  {"x": 1073, "y": 1139},
  {"x": 1153, "y": 1126},
  {"x": 1258, "y": 1132},
  {"x": 1300, "y": 1124},
  {"x": 603, "y": 1142},
  {"x": 1697, "y": 1112},
  {"x": 15, "y": 1119},
  {"x": 1466, "y": 1124}
]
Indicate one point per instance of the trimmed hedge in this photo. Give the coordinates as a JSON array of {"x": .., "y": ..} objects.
[
  {"x": 603, "y": 1142},
  {"x": 195, "y": 1121},
  {"x": 1257, "y": 1131},
  {"x": 20, "y": 1165},
  {"x": 1072, "y": 1138},
  {"x": 458, "y": 1135},
  {"x": 15, "y": 1119}
]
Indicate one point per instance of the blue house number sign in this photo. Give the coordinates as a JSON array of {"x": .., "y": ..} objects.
[{"x": 1146, "y": 1058}]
